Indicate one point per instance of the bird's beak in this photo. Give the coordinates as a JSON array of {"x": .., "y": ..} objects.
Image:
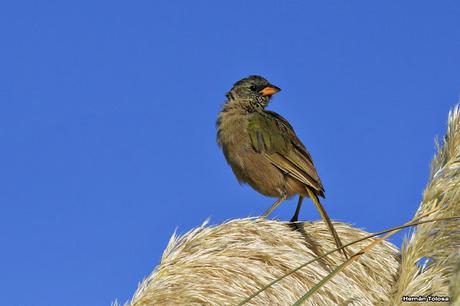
[{"x": 269, "y": 90}]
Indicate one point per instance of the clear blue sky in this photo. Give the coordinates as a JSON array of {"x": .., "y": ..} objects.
[{"x": 107, "y": 124}]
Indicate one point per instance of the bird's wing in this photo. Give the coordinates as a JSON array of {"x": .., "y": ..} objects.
[{"x": 272, "y": 136}]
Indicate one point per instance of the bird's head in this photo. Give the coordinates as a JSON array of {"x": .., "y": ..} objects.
[{"x": 253, "y": 92}]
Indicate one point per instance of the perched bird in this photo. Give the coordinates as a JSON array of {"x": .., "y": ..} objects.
[{"x": 263, "y": 150}]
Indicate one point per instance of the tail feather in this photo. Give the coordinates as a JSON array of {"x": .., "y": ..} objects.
[{"x": 326, "y": 219}]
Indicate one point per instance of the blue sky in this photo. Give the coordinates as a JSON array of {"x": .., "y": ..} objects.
[{"x": 107, "y": 124}]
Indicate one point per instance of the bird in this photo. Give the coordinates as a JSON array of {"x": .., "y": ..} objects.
[{"x": 263, "y": 150}]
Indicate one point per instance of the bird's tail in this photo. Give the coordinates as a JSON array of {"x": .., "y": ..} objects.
[{"x": 326, "y": 219}]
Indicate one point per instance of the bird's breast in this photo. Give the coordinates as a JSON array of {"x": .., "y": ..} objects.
[
  {"x": 248, "y": 165},
  {"x": 233, "y": 137}
]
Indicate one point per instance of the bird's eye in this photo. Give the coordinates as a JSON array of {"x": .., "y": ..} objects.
[{"x": 253, "y": 87}]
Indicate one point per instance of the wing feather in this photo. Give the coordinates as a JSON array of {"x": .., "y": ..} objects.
[{"x": 272, "y": 136}]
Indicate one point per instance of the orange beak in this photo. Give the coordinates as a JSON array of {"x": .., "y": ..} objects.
[{"x": 269, "y": 90}]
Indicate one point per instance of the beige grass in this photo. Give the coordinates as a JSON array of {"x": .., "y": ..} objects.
[
  {"x": 223, "y": 264},
  {"x": 437, "y": 244}
]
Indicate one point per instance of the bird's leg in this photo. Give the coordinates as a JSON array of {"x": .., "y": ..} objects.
[
  {"x": 328, "y": 222},
  {"x": 275, "y": 205},
  {"x": 295, "y": 217}
]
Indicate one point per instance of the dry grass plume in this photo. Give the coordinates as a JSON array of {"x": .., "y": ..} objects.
[
  {"x": 222, "y": 265},
  {"x": 430, "y": 256}
]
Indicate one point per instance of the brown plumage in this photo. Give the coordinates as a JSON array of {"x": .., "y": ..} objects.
[{"x": 263, "y": 150}]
